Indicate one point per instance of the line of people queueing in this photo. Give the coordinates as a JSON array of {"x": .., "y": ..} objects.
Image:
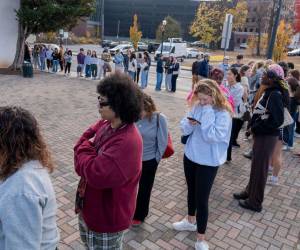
[{"x": 116, "y": 159}]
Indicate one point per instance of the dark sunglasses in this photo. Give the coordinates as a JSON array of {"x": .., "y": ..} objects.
[{"x": 102, "y": 103}]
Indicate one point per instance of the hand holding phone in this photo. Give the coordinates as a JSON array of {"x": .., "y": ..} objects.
[{"x": 193, "y": 121}]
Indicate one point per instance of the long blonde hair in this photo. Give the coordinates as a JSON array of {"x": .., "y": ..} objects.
[
  {"x": 211, "y": 88},
  {"x": 257, "y": 66}
]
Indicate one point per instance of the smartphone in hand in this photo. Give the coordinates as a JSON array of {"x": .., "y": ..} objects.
[{"x": 193, "y": 120}]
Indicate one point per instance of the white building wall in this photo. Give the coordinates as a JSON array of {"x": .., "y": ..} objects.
[{"x": 9, "y": 31}]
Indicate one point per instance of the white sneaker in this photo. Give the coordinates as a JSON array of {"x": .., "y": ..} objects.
[
  {"x": 285, "y": 148},
  {"x": 184, "y": 225},
  {"x": 201, "y": 245},
  {"x": 272, "y": 180}
]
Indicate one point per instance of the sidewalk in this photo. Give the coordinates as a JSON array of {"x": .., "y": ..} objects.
[{"x": 65, "y": 107}]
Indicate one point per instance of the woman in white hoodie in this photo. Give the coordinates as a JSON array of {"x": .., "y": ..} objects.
[{"x": 206, "y": 133}]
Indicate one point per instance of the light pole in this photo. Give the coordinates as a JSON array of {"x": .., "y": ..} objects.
[{"x": 163, "y": 28}]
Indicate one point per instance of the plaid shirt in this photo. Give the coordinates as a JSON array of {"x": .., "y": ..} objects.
[{"x": 99, "y": 241}]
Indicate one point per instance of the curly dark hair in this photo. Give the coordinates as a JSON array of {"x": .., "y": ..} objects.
[
  {"x": 20, "y": 141},
  {"x": 124, "y": 96}
]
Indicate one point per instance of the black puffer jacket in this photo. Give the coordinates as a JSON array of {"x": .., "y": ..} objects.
[{"x": 268, "y": 114}]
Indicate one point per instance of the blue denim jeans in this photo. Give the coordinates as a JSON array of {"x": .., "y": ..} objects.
[
  {"x": 88, "y": 70},
  {"x": 288, "y": 132},
  {"x": 42, "y": 63},
  {"x": 144, "y": 78},
  {"x": 159, "y": 79},
  {"x": 131, "y": 74},
  {"x": 55, "y": 65}
]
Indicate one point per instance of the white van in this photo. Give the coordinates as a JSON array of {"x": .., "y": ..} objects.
[{"x": 174, "y": 47}]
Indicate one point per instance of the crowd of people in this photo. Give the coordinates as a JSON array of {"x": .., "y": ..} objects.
[{"x": 117, "y": 157}]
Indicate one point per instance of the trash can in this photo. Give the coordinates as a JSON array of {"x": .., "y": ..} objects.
[{"x": 27, "y": 69}]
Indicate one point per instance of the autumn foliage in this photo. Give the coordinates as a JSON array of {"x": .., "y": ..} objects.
[{"x": 135, "y": 34}]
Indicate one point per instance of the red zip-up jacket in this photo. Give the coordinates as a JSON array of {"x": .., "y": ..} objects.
[{"x": 111, "y": 168}]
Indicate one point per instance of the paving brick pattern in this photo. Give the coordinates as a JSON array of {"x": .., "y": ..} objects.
[{"x": 65, "y": 107}]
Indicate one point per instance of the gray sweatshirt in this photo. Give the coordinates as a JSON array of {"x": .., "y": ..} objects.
[
  {"x": 28, "y": 210},
  {"x": 155, "y": 139}
]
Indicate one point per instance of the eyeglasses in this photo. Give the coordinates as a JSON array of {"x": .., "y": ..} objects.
[{"x": 102, "y": 103}]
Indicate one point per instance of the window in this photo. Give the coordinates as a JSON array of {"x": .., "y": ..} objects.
[
  {"x": 253, "y": 20},
  {"x": 251, "y": 30},
  {"x": 244, "y": 40},
  {"x": 238, "y": 40},
  {"x": 245, "y": 30}
]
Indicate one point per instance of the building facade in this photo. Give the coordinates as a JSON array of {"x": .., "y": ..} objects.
[
  {"x": 9, "y": 31},
  {"x": 259, "y": 12}
]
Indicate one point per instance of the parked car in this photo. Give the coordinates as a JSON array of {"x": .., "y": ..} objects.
[
  {"x": 295, "y": 52},
  {"x": 142, "y": 46},
  {"x": 193, "y": 53},
  {"x": 106, "y": 43},
  {"x": 52, "y": 45},
  {"x": 199, "y": 44},
  {"x": 122, "y": 47},
  {"x": 152, "y": 47},
  {"x": 243, "y": 46}
]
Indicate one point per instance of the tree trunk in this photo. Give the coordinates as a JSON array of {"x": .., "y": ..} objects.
[
  {"x": 271, "y": 21},
  {"x": 19, "y": 56}
]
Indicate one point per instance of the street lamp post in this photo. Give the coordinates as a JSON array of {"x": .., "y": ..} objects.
[{"x": 163, "y": 28}]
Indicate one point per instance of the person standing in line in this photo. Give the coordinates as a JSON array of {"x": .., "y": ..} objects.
[
  {"x": 61, "y": 57},
  {"x": 68, "y": 61},
  {"x": 245, "y": 73},
  {"x": 268, "y": 116},
  {"x": 207, "y": 127},
  {"x": 94, "y": 65},
  {"x": 139, "y": 62},
  {"x": 106, "y": 58},
  {"x": 87, "y": 64},
  {"x": 108, "y": 158},
  {"x": 55, "y": 60},
  {"x": 42, "y": 57},
  {"x": 175, "y": 73},
  {"x": 49, "y": 58},
  {"x": 169, "y": 73},
  {"x": 148, "y": 60},
  {"x": 119, "y": 62},
  {"x": 126, "y": 57},
  {"x": 145, "y": 70},
  {"x": 239, "y": 62},
  {"x": 132, "y": 66},
  {"x": 195, "y": 67},
  {"x": 154, "y": 131},
  {"x": 80, "y": 62},
  {"x": 203, "y": 68},
  {"x": 35, "y": 56},
  {"x": 296, "y": 74},
  {"x": 100, "y": 67},
  {"x": 288, "y": 132},
  {"x": 218, "y": 75},
  {"x": 159, "y": 73},
  {"x": 225, "y": 66},
  {"x": 27, "y": 201},
  {"x": 237, "y": 91}
]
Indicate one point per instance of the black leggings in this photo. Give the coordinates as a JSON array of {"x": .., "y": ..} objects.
[
  {"x": 199, "y": 180},
  {"x": 67, "y": 67},
  {"x": 138, "y": 75},
  {"x": 237, "y": 125},
  {"x": 145, "y": 188}
]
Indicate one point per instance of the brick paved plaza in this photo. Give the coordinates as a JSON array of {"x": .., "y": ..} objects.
[{"x": 65, "y": 107}]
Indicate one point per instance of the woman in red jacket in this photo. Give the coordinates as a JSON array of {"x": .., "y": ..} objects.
[{"x": 108, "y": 158}]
